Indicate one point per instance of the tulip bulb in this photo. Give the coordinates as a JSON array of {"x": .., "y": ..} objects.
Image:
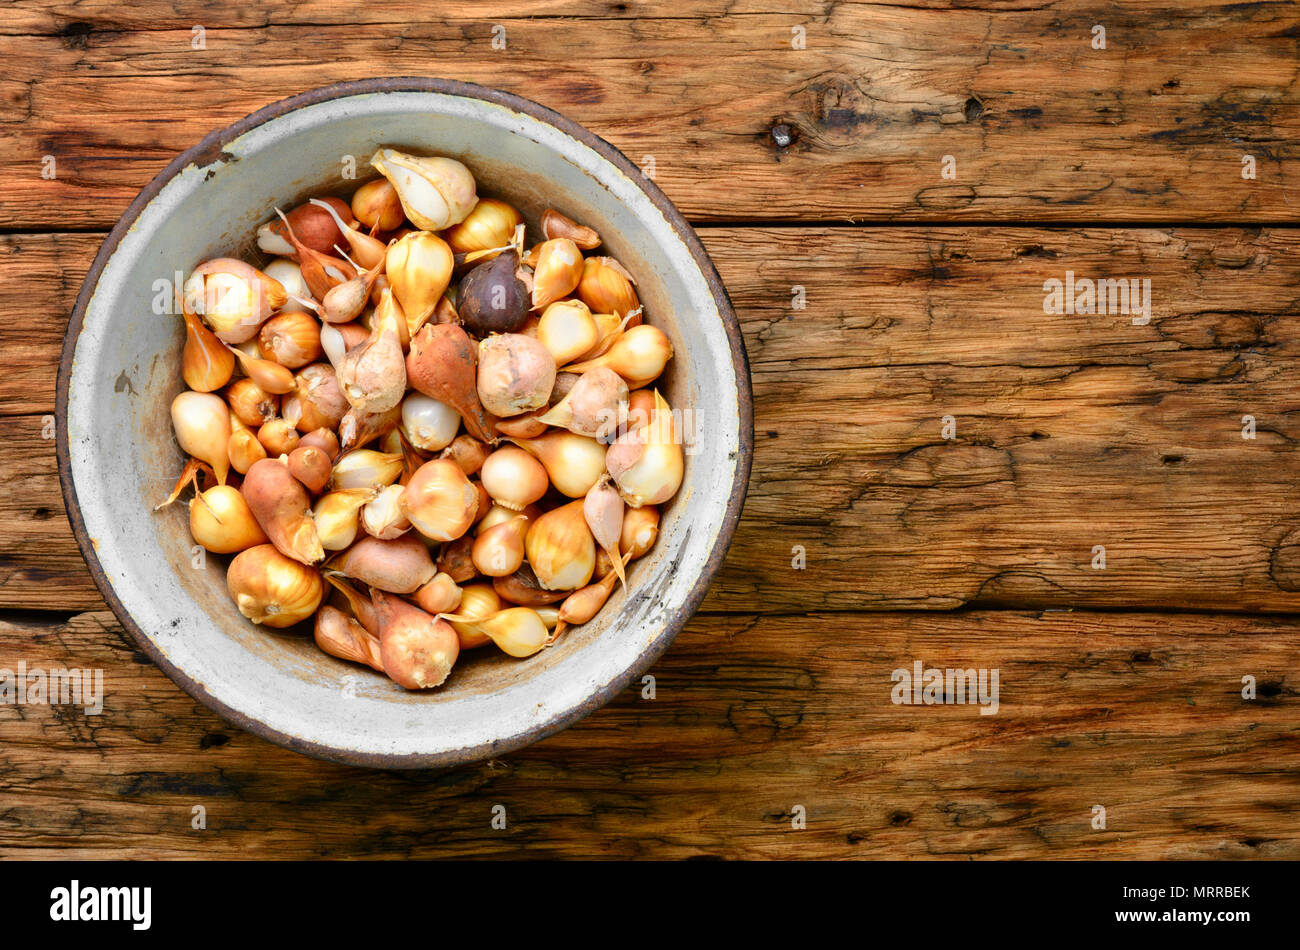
[
  {"x": 221, "y": 521},
  {"x": 366, "y": 250},
  {"x": 271, "y": 589},
  {"x": 558, "y": 270},
  {"x": 493, "y": 298},
  {"x": 603, "y": 509},
  {"x": 515, "y": 374},
  {"x": 282, "y": 507},
  {"x": 430, "y": 425},
  {"x": 311, "y": 466},
  {"x": 320, "y": 271},
  {"x": 418, "y": 650},
  {"x": 647, "y": 463},
  {"x": 607, "y": 287},
  {"x": 318, "y": 401},
  {"x": 270, "y": 377},
  {"x": 419, "y": 268},
  {"x": 233, "y": 298},
  {"x": 289, "y": 274},
  {"x": 595, "y": 407},
  {"x": 499, "y": 551},
  {"x": 639, "y": 532},
  {"x": 556, "y": 225},
  {"x": 582, "y": 605},
  {"x": 560, "y": 548},
  {"x": 441, "y": 365},
  {"x": 311, "y": 223},
  {"x": 376, "y": 205},
  {"x": 573, "y": 462},
  {"x": 435, "y": 192},
  {"x": 361, "y": 428},
  {"x": 639, "y": 356},
  {"x": 244, "y": 448},
  {"x": 250, "y": 403},
  {"x": 568, "y": 330},
  {"x": 202, "y": 424},
  {"x": 440, "y": 501},
  {"x": 206, "y": 364},
  {"x": 291, "y": 339},
  {"x": 383, "y": 517},
  {"x": 400, "y": 566},
  {"x": 490, "y": 225},
  {"x": 337, "y": 516},
  {"x": 323, "y": 439},
  {"x": 514, "y": 478},
  {"x": 439, "y": 596},
  {"x": 344, "y": 302},
  {"x": 366, "y": 468},
  {"x": 341, "y": 636},
  {"x": 373, "y": 375},
  {"x": 518, "y": 631},
  {"x": 278, "y": 437}
]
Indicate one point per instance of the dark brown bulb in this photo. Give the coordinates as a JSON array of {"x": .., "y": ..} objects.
[{"x": 492, "y": 298}]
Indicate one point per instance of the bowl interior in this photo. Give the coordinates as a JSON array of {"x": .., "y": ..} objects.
[{"x": 122, "y": 456}]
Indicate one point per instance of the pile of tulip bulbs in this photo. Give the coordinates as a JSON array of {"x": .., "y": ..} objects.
[{"x": 417, "y": 431}]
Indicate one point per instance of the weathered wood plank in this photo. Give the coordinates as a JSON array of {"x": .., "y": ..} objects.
[
  {"x": 853, "y": 127},
  {"x": 1071, "y": 431},
  {"x": 752, "y": 716}
]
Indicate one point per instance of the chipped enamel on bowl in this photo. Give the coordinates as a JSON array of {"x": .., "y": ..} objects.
[{"x": 117, "y": 455}]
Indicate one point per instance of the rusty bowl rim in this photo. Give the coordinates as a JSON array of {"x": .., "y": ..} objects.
[{"x": 210, "y": 150}]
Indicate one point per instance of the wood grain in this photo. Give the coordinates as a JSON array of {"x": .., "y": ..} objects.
[
  {"x": 1141, "y": 714},
  {"x": 853, "y": 127},
  {"x": 1072, "y": 431}
]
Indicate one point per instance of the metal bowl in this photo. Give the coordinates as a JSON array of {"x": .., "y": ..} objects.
[{"x": 117, "y": 455}]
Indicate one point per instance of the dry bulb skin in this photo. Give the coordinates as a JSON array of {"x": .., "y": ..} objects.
[
  {"x": 221, "y": 521},
  {"x": 493, "y": 298},
  {"x": 596, "y": 406},
  {"x": 557, "y": 271},
  {"x": 206, "y": 364},
  {"x": 561, "y": 549},
  {"x": 340, "y": 635},
  {"x": 442, "y": 364},
  {"x": 515, "y": 374},
  {"x": 376, "y": 205},
  {"x": 419, "y": 269},
  {"x": 282, "y": 507},
  {"x": 429, "y": 425},
  {"x": 271, "y": 589},
  {"x": 399, "y": 566},
  {"x": 606, "y": 287},
  {"x": 490, "y": 225},
  {"x": 418, "y": 650},
  {"x": 647, "y": 464},
  {"x": 440, "y": 501},
  {"x": 202, "y": 425},
  {"x": 447, "y": 421},
  {"x": 232, "y": 297},
  {"x": 435, "y": 192},
  {"x": 556, "y": 225},
  {"x": 311, "y": 223}
]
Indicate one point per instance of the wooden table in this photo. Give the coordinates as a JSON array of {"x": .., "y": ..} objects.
[{"x": 810, "y": 148}]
